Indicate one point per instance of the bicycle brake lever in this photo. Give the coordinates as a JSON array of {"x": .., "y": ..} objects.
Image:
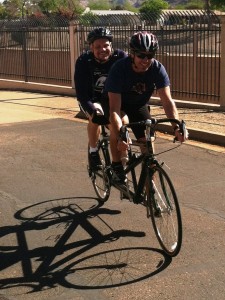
[{"x": 183, "y": 130}]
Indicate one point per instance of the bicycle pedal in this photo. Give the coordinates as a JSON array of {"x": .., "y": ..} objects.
[
  {"x": 119, "y": 184},
  {"x": 90, "y": 173},
  {"x": 123, "y": 196},
  {"x": 157, "y": 213},
  {"x": 136, "y": 201},
  {"x": 140, "y": 200}
]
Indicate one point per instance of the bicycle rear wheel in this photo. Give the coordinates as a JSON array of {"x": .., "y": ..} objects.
[
  {"x": 99, "y": 178},
  {"x": 165, "y": 212}
]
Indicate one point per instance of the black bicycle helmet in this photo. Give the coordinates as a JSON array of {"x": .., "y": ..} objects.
[
  {"x": 144, "y": 42},
  {"x": 99, "y": 33}
]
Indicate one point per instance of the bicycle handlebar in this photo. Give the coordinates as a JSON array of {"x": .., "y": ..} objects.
[{"x": 153, "y": 121}]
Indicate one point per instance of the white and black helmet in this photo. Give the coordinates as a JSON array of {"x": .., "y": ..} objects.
[
  {"x": 144, "y": 42},
  {"x": 99, "y": 33}
]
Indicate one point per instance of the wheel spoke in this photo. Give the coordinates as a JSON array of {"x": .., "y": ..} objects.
[
  {"x": 100, "y": 179},
  {"x": 165, "y": 212}
]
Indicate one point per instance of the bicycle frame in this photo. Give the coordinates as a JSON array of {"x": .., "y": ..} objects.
[
  {"x": 147, "y": 159},
  {"x": 104, "y": 143},
  {"x": 152, "y": 187}
]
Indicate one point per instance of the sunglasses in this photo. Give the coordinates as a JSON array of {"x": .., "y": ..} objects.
[{"x": 143, "y": 55}]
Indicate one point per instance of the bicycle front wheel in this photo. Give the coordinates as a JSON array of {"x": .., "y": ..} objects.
[
  {"x": 100, "y": 178},
  {"x": 165, "y": 211}
]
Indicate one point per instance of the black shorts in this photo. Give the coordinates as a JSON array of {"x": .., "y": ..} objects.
[
  {"x": 104, "y": 102},
  {"x": 135, "y": 114}
]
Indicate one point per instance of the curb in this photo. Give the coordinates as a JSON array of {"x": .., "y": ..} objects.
[
  {"x": 196, "y": 135},
  {"x": 190, "y": 105}
]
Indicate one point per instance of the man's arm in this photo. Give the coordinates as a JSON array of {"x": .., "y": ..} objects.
[
  {"x": 115, "y": 112},
  {"x": 83, "y": 85},
  {"x": 170, "y": 109},
  {"x": 115, "y": 124}
]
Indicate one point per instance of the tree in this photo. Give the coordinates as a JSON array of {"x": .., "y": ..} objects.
[
  {"x": 99, "y": 4},
  {"x": 3, "y": 13},
  {"x": 153, "y": 6},
  {"x": 124, "y": 5},
  {"x": 13, "y": 8},
  {"x": 217, "y": 3},
  {"x": 195, "y": 4},
  {"x": 203, "y": 4},
  {"x": 67, "y": 8},
  {"x": 151, "y": 11}
]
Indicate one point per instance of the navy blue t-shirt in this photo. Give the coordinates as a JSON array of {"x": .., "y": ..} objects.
[
  {"x": 90, "y": 77},
  {"x": 135, "y": 88}
]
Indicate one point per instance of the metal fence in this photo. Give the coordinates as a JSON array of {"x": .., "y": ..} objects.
[
  {"x": 189, "y": 47},
  {"x": 39, "y": 50},
  {"x": 35, "y": 50}
]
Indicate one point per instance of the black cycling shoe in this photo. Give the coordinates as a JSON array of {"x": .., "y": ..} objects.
[
  {"x": 118, "y": 174},
  {"x": 141, "y": 199},
  {"x": 94, "y": 161}
]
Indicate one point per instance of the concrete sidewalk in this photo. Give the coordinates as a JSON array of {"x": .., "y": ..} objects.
[{"x": 206, "y": 125}]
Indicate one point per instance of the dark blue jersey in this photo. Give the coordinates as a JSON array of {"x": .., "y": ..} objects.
[
  {"x": 90, "y": 77},
  {"x": 134, "y": 87}
]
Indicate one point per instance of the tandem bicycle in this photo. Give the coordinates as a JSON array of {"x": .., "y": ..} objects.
[{"x": 149, "y": 185}]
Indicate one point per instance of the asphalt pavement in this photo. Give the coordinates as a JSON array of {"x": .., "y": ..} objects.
[{"x": 58, "y": 242}]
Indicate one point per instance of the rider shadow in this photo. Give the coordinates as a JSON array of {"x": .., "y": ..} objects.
[{"x": 64, "y": 263}]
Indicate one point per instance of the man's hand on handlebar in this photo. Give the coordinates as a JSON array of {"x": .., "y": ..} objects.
[
  {"x": 181, "y": 133},
  {"x": 178, "y": 136},
  {"x": 124, "y": 140},
  {"x": 99, "y": 118}
]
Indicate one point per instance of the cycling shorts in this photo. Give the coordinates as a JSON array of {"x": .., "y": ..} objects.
[
  {"x": 136, "y": 114},
  {"x": 103, "y": 102}
]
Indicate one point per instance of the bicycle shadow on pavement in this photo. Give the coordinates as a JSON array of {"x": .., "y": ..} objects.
[{"x": 71, "y": 233}]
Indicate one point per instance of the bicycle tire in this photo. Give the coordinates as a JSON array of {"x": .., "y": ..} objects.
[
  {"x": 100, "y": 179},
  {"x": 165, "y": 211}
]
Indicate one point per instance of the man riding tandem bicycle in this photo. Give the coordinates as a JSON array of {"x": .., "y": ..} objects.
[{"x": 130, "y": 84}]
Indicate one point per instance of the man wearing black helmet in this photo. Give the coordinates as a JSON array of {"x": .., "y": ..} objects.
[
  {"x": 130, "y": 84},
  {"x": 91, "y": 71}
]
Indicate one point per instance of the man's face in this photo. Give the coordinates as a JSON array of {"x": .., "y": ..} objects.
[
  {"x": 102, "y": 49},
  {"x": 142, "y": 61}
]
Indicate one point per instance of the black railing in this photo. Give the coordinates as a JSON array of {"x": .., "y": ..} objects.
[{"x": 38, "y": 49}]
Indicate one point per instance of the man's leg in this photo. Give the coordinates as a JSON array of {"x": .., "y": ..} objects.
[
  {"x": 94, "y": 131},
  {"x": 117, "y": 166}
]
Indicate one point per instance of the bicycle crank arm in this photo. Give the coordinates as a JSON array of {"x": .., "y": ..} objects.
[{"x": 125, "y": 193}]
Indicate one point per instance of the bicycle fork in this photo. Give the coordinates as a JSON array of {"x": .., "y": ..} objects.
[{"x": 138, "y": 197}]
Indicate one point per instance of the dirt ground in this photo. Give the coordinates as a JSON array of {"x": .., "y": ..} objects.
[{"x": 201, "y": 119}]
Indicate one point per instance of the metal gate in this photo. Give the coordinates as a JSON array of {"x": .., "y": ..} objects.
[
  {"x": 35, "y": 50},
  {"x": 39, "y": 49},
  {"x": 189, "y": 47}
]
